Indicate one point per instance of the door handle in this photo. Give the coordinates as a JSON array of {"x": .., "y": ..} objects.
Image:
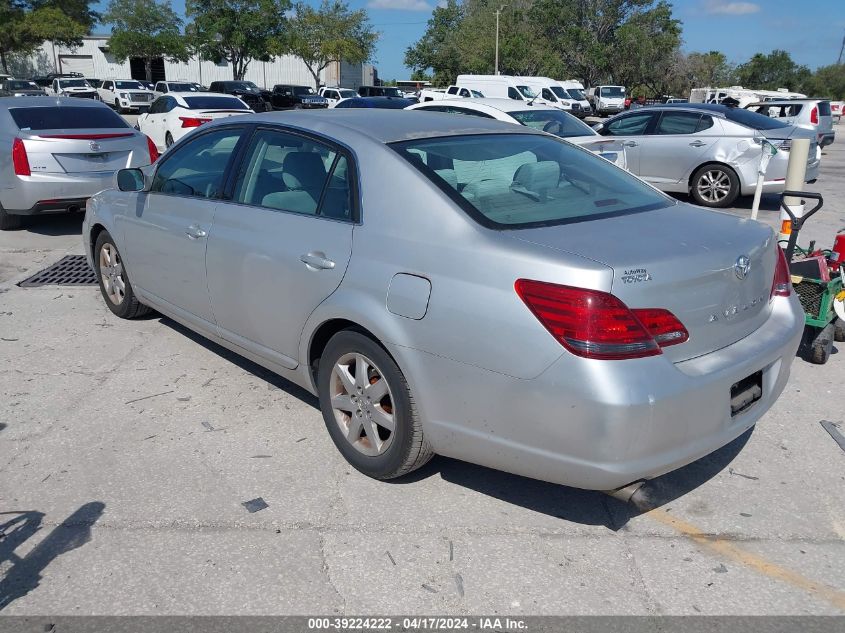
[
  {"x": 630, "y": 143},
  {"x": 316, "y": 261},
  {"x": 194, "y": 232},
  {"x": 698, "y": 144}
]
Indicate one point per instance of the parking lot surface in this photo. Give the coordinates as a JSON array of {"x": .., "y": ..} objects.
[{"x": 128, "y": 448}]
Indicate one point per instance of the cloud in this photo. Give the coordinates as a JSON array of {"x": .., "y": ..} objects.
[
  {"x": 720, "y": 7},
  {"x": 400, "y": 5}
]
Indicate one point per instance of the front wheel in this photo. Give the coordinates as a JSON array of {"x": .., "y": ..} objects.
[
  {"x": 114, "y": 281},
  {"x": 715, "y": 186},
  {"x": 369, "y": 409},
  {"x": 839, "y": 331}
]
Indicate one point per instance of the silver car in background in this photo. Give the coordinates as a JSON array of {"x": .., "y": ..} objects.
[
  {"x": 57, "y": 152},
  {"x": 709, "y": 151},
  {"x": 460, "y": 286},
  {"x": 811, "y": 114}
]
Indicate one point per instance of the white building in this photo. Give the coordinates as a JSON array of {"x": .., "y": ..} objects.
[{"x": 93, "y": 60}]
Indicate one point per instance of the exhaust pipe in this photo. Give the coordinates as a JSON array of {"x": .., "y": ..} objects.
[
  {"x": 634, "y": 494},
  {"x": 74, "y": 208}
]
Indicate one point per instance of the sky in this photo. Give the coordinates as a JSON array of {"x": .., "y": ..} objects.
[{"x": 811, "y": 30}]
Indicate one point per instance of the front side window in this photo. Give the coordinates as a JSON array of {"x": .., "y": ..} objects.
[
  {"x": 197, "y": 168},
  {"x": 526, "y": 180},
  {"x": 548, "y": 95},
  {"x": 286, "y": 172},
  {"x": 513, "y": 93},
  {"x": 631, "y": 125}
]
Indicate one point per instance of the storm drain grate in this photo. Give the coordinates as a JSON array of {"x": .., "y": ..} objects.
[{"x": 70, "y": 270}]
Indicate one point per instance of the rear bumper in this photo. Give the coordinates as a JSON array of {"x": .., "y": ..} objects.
[
  {"x": 601, "y": 424},
  {"x": 52, "y": 193}
]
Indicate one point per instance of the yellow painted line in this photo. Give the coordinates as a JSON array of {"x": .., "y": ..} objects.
[{"x": 758, "y": 564}]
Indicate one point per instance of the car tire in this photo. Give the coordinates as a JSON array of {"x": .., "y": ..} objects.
[
  {"x": 839, "y": 331},
  {"x": 821, "y": 346},
  {"x": 9, "y": 221},
  {"x": 122, "y": 302},
  {"x": 168, "y": 139},
  {"x": 715, "y": 186},
  {"x": 390, "y": 454}
]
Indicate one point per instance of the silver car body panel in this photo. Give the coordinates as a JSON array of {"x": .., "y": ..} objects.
[{"x": 492, "y": 387}]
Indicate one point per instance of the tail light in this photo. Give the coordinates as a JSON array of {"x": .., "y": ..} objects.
[
  {"x": 782, "y": 284},
  {"x": 596, "y": 324},
  {"x": 814, "y": 115},
  {"x": 152, "y": 149},
  {"x": 20, "y": 160},
  {"x": 190, "y": 121}
]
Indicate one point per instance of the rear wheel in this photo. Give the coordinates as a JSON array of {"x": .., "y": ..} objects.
[
  {"x": 369, "y": 409},
  {"x": 114, "y": 281},
  {"x": 715, "y": 186},
  {"x": 168, "y": 140}
]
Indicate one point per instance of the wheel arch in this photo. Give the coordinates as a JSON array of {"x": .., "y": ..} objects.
[
  {"x": 323, "y": 333},
  {"x": 93, "y": 234},
  {"x": 717, "y": 163}
]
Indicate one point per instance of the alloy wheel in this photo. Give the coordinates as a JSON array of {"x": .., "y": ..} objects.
[
  {"x": 714, "y": 185},
  {"x": 111, "y": 273}
]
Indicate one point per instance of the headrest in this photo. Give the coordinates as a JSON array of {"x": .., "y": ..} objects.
[{"x": 303, "y": 171}]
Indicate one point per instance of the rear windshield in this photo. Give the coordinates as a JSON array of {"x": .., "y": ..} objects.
[
  {"x": 65, "y": 118},
  {"x": 215, "y": 103},
  {"x": 521, "y": 180},
  {"x": 27, "y": 85},
  {"x": 753, "y": 120},
  {"x": 128, "y": 85},
  {"x": 553, "y": 121}
]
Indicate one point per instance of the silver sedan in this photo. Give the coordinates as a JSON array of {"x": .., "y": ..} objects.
[
  {"x": 709, "y": 151},
  {"x": 460, "y": 286}
]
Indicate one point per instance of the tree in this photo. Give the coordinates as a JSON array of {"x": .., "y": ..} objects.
[
  {"x": 237, "y": 30},
  {"x": 329, "y": 34},
  {"x": 438, "y": 48},
  {"x": 145, "y": 29},
  {"x": 827, "y": 81},
  {"x": 710, "y": 70},
  {"x": 26, "y": 26},
  {"x": 772, "y": 71}
]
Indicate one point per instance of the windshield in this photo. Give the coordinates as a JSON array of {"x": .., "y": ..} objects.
[
  {"x": 181, "y": 87},
  {"x": 391, "y": 92},
  {"x": 526, "y": 92},
  {"x": 215, "y": 103},
  {"x": 22, "y": 85},
  {"x": 128, "y": 85},
  {"x": 66, "y": 118},
  {"x": 348, "y": 94},
  {"x": 242, "y": 85},
  {"x": 612, "y": 91},
  {"x": 560, "y": 93},
  {"x": 524, "y": 180},
  {"x": 73, "y": 83},
  {"x": 303, "y": 90},
  {"x": 554, "y": 122},
  {"x": 753, "y": 120},
  {"x": 577, "y": 93}
]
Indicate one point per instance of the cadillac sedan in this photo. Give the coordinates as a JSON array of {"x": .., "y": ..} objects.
[{"x": 460, "y": 286}]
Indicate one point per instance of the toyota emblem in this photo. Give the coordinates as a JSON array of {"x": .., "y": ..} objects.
[{"x": 742, "y": 266}]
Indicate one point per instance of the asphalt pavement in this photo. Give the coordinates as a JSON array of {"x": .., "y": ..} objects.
[{"x": 128, "y": 450}]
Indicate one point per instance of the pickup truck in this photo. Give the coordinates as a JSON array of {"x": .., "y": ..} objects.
[
  {"x": 288, "y": 96},
  {"x": 333, "y": 94},
  {"x": 71, "y": 87},
  {"x": 452, "y": 92}
]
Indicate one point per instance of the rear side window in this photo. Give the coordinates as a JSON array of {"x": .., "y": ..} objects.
[
  {"x": 513, "y": 93},
  {"x": 519, "y": 180},
  {"x": 215, "y": 103},
  {"x": 65, "y": 118},
  {"x": 196, "y": 169},
  {"x": 678, "y": 123}
]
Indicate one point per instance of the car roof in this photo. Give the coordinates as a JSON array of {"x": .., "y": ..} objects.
[
  {"x": 381, "y": 125},
  {"x": 779, "y": 102},
  {"x": 714, "y": 108},
  {"x": 30, "y": 102}
]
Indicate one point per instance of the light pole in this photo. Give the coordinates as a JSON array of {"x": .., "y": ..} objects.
[{"x": 497, "y": 36}]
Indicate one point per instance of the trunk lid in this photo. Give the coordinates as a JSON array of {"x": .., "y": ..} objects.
[
  {"x": 80, "y": 151},
  {"x": 683, "y": 259}
]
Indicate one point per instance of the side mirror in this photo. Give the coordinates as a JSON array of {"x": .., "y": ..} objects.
[{"x": 130, "y": 180}]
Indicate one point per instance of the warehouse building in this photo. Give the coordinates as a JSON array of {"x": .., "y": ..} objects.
[{"x": 93, "y": 60}]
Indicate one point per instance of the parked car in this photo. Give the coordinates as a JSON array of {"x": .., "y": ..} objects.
[
  {"x": 545, "y": 118},
  {"x": 576, "y": 90},
  {"x": 20, "y": 88},
  {"x": 165, "y": 87},
  {"x": 492, "y": 270},
  {"x": 60, "y": 152},
  {"x": 452, "y": 92},
  {"x": 125, "y": 95},
  {"x": 258, "y": 100},
  {"x": 380, "y": 91},
  {"x": 811, "y": 114},
  {"x": 384, "y": 103},
  {"x": 173, "y": 115},
  {"x": 291, "y": 97},
  {"x": 606, "y": 100},
  {"x": 709, "y": 151},
  {"x": 333, "y": 95},
  {"x": 71, "y": 87},
  {"x": 552, "y": 93}
]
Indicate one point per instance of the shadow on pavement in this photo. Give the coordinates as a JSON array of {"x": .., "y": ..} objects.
[
  {"x": 3, "y": 425},
  {"x": 24, "y": 574},
  {"x": 54, "y": 225}
]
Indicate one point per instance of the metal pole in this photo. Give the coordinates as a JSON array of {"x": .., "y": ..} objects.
[{"x": 497, "y": 43}]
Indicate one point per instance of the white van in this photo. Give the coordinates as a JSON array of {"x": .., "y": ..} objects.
[
  {"x": 502, "y": 86},
  {"x": 607, "y": 99},
  {"x": 575, "y": 89},
  {"x": 552, "y": 93}
]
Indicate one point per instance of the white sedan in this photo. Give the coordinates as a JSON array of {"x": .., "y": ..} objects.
[
  {"x": 539, "y": 117},
  {"x": 173, "y": 115}
]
